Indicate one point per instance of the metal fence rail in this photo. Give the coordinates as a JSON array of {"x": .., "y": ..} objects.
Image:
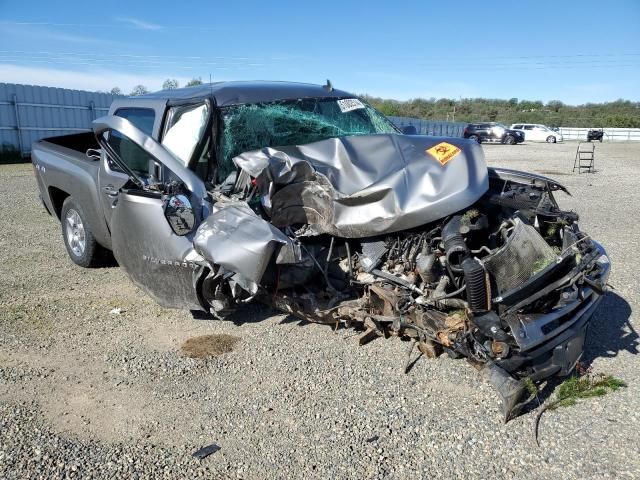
[
  {"x": 430, "y": 127},
  {"x": 455, "y": 129},
  {"x": 610, "y": 134},
  {"x": 29, "y": 113}
]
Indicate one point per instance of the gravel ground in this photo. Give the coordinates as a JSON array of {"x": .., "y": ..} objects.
[{"x": 87, "y": 393}]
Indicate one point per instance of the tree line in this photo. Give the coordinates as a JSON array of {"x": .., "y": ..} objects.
[
  {"x": 169, "y": 84},
  {"x": 621, "y": 113}
]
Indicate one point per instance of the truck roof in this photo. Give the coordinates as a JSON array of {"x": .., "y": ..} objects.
[{"x": 239, "y": 92}]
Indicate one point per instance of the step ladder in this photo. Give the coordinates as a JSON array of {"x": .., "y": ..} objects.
[{"x": 585, "y": 158}]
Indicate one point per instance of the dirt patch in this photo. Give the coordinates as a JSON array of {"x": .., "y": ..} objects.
[
  {"x": 27, "y": 319},
  {"x": 205, "y": 346}
]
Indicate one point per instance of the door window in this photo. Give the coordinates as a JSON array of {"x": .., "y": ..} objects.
[
  {"x": 142, "y": 118},
  {"x": 130, "y": 153},
  {"x": 517, "y": 127},
  {"x": 112, "y": 130},
  {"x": 528, "y": 127}
]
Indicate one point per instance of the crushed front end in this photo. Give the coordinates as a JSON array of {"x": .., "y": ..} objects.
[{"x": 509, "y": 281}]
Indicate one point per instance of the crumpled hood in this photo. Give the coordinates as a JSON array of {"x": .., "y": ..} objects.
[{"x": 363, "y": 186}]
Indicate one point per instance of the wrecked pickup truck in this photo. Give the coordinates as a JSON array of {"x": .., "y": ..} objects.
[{"x": 307, "y": 199}]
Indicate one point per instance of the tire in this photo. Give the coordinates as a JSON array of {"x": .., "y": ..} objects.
[
  {"x": 551, "y": 139},
  {"x": 77, "y": 236},
  {"x": 509, "y": 140},
  {"x": 475, "y": 138}
]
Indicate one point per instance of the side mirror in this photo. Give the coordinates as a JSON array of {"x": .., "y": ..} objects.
[
  {"x": 94, "y": 153},
  {"x": 409, "y": 130},
  {"x": 179, "y": 213}
]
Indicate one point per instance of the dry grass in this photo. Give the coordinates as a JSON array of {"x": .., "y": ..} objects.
[
  {"x": 206, "y": 346},
  {"x": 577, "y": 388}
]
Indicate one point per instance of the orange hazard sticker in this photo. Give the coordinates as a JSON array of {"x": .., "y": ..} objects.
[{"x": 443, "y": 152}]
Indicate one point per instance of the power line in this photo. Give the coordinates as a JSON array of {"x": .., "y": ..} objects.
[
  {"x": 157, "y": 28},
  {"x": 127, "y": 55},
  {"x": 140, "y": 66},
  {"x": 150, "y": 61},
  {"x": 168, "y": 59},
  {"x": 131, "y": 63},
  {"x": 445, "y": 60}
]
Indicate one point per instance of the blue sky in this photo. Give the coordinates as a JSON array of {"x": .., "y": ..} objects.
[{"x": 576, "y": 52}]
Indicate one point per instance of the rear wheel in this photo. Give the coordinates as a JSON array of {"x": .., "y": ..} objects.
[
  {"x": 475, "y": 138},
  {"x": 551, "y": 139},
  {"x": 509, "y": 140},
  {"x": 77, "y": 235}
]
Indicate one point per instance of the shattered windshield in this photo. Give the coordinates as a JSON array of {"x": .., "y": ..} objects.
[{"x": 295, "y": 122}]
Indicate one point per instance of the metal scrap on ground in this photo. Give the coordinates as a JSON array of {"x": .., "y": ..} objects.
[{"x": 204, "y": 452}]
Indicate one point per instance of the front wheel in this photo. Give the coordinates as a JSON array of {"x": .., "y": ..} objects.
[
  {"x": 551, "y": 139},
  {"x": 77, "y": 235},
  {"x": 509, "y": 140}
]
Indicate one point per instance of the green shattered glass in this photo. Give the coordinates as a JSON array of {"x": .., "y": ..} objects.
[{"x": 255, "y": 126}]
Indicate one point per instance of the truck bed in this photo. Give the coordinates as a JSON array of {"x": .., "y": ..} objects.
[
  {"x": 62, "y": 169},
  {"x": 80, "y": 142}
]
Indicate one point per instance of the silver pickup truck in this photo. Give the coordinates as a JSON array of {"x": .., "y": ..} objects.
[{"x": 307, "y": 199}]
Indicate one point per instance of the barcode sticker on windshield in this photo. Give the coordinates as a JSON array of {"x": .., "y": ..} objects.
[{"x": 348, "y": 104}]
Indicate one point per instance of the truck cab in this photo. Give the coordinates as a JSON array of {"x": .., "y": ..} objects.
[{"x": 141, "y": 182}]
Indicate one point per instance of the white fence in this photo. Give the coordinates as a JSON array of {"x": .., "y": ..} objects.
[
  {"x": 610, "y": 134},
  {"x": 454, "y": 129}
]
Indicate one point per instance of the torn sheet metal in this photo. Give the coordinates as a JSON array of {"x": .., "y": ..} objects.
[
  {"x": 238, "y": 240},
  {"x": 362, "y": 186}
]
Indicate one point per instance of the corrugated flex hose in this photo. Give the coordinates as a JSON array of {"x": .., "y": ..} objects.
[{"x": 475, "y": 279}]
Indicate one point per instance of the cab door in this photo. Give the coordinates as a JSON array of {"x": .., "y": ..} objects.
[
  {"x": 152, "y": 227},
  {"x": 111, "y": 177}
]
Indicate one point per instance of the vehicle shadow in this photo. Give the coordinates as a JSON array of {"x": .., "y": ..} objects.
[
  {"x": 258, "y": 312},
  {"x": 108, "y": 261},
  {"x": 610, "y": 333},
  {"x": 611, "y": 330}
]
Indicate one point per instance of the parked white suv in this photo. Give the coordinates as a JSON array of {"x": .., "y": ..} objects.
[{"x": 534, "y": 132}]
